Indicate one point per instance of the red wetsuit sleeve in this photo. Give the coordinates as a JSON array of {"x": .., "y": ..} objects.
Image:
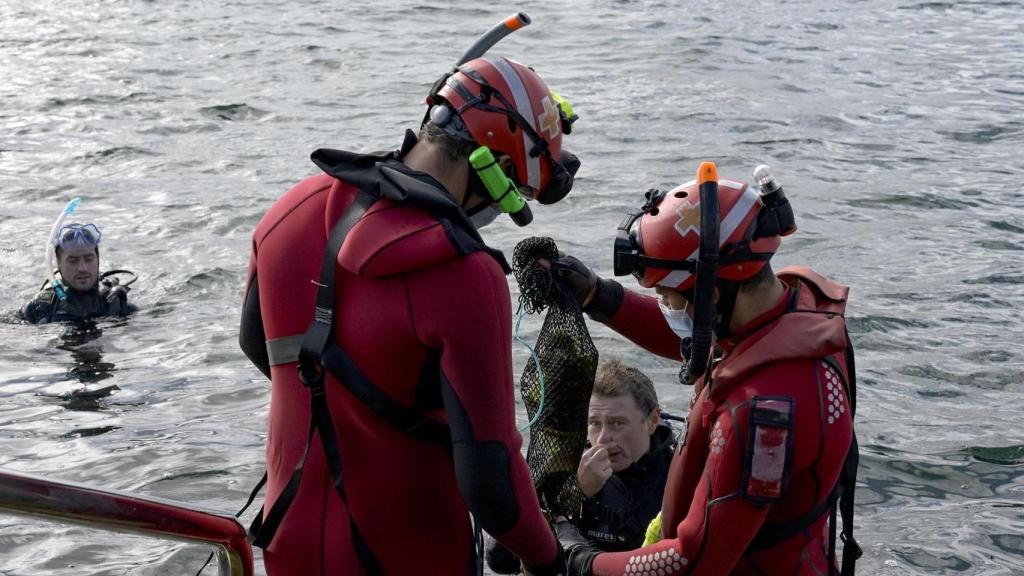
[
  {"x": 718, "y": 526},
  {"x": 640, "y": 319},
  {"x": 463, "y": 308}
]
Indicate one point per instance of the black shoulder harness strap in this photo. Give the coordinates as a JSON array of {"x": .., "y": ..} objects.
[
  {"x": 318, "y": 353},
  {"x": 265, "y": 526},
  {"x": 839, "y": 500}
]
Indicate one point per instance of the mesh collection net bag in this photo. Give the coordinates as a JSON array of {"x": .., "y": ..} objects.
[{"x": 568, "y": 362}]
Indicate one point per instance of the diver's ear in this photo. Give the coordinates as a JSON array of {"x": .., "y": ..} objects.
[{"x": 653, "y": 420}]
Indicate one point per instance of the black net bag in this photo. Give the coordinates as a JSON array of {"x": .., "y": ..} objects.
[{"x": 568, "y": 362}]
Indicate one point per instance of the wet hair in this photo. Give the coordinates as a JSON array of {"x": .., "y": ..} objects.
[
  {"x": 455, "y": 149},
  {"x": 617, "y": 379},
  {"x": 57, "y": 250}
]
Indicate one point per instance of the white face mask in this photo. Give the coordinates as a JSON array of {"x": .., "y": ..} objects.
[
  {"x": 678, "y": 320},
  {"x": 485, "y": 216}
]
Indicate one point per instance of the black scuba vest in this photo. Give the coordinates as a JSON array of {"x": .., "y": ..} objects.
[
  {"x": 78, "y": 306},
  {"x": 616, "y": 518}
]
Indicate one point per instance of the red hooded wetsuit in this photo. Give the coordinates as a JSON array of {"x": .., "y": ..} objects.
[
  {"x": 730, "y": 491},
  {"x": 423, "y": 308}
]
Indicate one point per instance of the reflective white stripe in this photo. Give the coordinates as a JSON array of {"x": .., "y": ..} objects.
[
  {"x": 726, "y": 229},
  {"x": 735, "y": 216},
  {"x": 677, "y": 277},
  {"x": 285, "y": 349},
  {"x": 521, "y": 99}
]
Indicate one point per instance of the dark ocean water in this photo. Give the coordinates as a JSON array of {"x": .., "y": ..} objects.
[{"x": 896, "y": 127}]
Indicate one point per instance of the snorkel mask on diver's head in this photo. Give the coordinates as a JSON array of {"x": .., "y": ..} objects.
[
  {"x": 629, "y": 255},
  {"x": 76, "y": 235}
]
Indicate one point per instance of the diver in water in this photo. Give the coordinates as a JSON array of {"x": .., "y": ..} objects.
[
  {"x": 622, "y": 474},
  {"x": 78, "y": 291}
]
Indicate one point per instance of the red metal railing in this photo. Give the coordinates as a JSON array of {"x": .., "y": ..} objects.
[{"x": 25, "y": 494}]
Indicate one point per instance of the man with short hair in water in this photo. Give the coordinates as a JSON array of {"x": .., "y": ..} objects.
[
  {"x": 622, "y": 474},
  {"x": 78, "y": 291}
]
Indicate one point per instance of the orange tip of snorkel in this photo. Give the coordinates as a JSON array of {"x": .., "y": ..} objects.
[
  {"x": 707, "y": 173},
  {"x": 516, "y": 21}
]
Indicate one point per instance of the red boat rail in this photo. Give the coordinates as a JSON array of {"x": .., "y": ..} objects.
[{"x": 25, "y": 494}]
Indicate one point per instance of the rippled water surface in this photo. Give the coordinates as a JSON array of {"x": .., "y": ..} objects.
[{"x": 895, "y": 125}]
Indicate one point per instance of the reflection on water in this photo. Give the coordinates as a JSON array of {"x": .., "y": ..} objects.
[{"x": 82, "y": 340}]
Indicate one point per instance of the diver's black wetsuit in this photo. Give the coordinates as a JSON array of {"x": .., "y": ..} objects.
[
  {"x": 79, "y": 305},
  {"x": 616, "y": 518}
]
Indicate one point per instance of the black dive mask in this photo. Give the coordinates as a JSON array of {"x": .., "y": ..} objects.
[{"x": 628, "y": 251}]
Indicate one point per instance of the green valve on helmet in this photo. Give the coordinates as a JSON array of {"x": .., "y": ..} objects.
[{"x": 501, "y": 188}]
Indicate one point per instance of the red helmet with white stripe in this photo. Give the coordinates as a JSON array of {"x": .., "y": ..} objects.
[
  {"x": 507, "y": 107},
  {"x": 670, "y": 231}
]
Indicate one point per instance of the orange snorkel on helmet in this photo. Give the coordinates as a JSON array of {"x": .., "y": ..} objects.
[
  {"x": 507, "y": 107},
  {"x": 706, "y": 230}
]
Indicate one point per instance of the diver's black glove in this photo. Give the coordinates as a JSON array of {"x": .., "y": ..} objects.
[
  {"x": 581, "y": 553},
  {"x": 116, "y": 297},
  {"x": 556, "y": 567},
  {"x": 577, "y": 276},
  {"x": 596, "y": 296}
]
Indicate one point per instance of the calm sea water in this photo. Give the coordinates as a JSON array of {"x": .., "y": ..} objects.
[{"x": 895, "y": 126}]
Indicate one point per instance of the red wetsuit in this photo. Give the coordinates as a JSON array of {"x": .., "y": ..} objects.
[
  {"x": 423, "y": 309},
  {"x": 794, "y": 354}
]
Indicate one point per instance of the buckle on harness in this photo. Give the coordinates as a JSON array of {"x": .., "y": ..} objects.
[
  {"x": 851, "y": 545},
  {"x": 323, "y": 315},
  {"x": 311, "y": 376}
]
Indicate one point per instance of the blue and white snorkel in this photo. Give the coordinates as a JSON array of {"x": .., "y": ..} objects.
[{"x": 58, "y": 288}]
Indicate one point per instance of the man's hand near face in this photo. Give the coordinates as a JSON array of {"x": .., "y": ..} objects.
[{"x": 595, "y": 469}]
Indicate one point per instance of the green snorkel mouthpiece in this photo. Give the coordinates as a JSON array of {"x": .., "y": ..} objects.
[{"x": 501, "y": 188}]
